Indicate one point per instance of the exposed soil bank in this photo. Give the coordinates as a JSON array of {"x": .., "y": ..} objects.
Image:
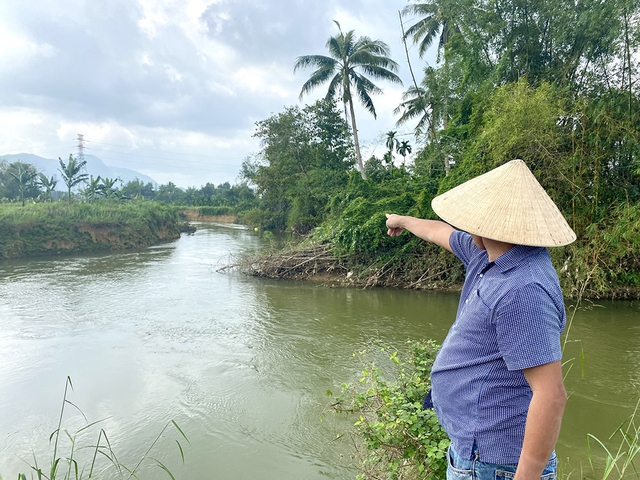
[
  {"x": 317, "y": 263},
  {"x": 195, "y": 216},
  {"x": 35, "y": 239},
  {"x": 433, "y": 269}
]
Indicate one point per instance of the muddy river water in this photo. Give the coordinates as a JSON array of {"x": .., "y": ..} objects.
[{"x": 241, "y": 364}]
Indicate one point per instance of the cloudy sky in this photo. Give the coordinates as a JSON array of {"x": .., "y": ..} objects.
[{"x": 173, "y": 88}]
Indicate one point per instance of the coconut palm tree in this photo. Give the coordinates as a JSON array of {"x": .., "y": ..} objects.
[
  {"x": 404, "y": 149},
  {"x": 348, "y": 69},
  {"x": 416, "y": 104},
  {"x": 437, "y": 19},
  {"x": 72, "y": 174},
  {"x": 426, "y": 103}
]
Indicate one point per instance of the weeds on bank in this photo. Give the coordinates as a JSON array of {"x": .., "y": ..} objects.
[
  {"x": 620, "y": 463},
  {"x": 101, "y": 457},
  {"x": 134, "y": 213},
  {"x": 394, "y": 437}
]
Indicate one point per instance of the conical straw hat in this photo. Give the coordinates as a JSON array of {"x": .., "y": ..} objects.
[{"x": 506, "y": 204}]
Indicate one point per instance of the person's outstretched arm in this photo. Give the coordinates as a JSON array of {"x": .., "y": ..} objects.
[{"x": 433, "y": 231}]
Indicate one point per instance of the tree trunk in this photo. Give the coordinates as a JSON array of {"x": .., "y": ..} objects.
[
  {"x": 354, "y": 129},
  {"x": 447, "y": 165}
]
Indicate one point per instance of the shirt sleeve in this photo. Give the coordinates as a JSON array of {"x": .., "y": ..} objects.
[
  {"x": 462, "y": 245},
  {"x": 528, "y": 326}
]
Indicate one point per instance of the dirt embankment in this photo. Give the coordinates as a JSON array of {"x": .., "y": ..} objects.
[
  {"x": 432, "y": 269},
  {"x": 195, "y": 216},
  {"x": 317, "y": 263},
  {"x": 33, "y": 239}
]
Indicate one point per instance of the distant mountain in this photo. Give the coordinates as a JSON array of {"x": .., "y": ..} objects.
[{"x": 94, "y": 167}]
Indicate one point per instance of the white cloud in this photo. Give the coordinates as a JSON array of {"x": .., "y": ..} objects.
[{"x": 176, "y": 85}]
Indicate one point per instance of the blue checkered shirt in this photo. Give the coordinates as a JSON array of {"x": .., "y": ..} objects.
[{"x": 510, "y": 318}]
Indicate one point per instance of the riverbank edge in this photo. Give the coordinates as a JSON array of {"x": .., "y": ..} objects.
[
  {"x": 64, "y": 235},
  {"x": 193, "y": 215},
  {"x": 318, "y": 263},
  {"x": 85, "y": 237},
  {"x": 432, "y": 270}
]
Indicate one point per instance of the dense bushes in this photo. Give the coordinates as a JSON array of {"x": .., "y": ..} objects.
[{"x": 305, "y": 157}]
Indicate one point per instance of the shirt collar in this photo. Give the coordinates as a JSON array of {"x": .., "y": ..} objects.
[{"x": 514, "y": 257}]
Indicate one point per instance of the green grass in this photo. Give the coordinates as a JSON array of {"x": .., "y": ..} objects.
[
  {"x": 620, "y": 463},
  {"x": 99, "y": 212},
  {"x": 59, "y": 227}
]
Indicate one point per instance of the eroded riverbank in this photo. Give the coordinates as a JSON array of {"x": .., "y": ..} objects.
[{"x": 54, "y": 229}]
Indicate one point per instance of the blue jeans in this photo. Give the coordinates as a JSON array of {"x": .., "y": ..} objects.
[{"x": 462, "y": 469}]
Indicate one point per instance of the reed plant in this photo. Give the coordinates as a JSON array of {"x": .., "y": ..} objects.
[
  {"x": 620, "y": 463},
  {"x": 92, "y": 461}
]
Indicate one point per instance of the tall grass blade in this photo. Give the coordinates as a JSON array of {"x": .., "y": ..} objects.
[
  {"x": 146, "y": 454},
  {"x": 181, "y": 452},
  {"x": 180, "y": 430},
  {"x": 77, "y": 408},
  {"x": 611, "y": 461},
  {"x": 161, "y": 465},
  {"x": 102, "y": 448},
  {"x": 57, "y": 431}
]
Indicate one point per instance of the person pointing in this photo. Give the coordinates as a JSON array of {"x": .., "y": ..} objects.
[{"x": 497, "y": 383}]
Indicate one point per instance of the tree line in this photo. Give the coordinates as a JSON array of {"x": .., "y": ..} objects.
[
  {"x": 22, "y": 182},
  {"x": 552, "y": 83}
]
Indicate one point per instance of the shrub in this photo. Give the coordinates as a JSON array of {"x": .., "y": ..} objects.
[{"x": 395, "y": 437}]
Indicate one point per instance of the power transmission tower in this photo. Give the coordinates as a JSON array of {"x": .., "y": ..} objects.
[{"x": 80, "y": 147}]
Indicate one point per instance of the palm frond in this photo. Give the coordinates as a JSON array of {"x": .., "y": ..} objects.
[
  {"x": 307, "y": 61},
  {"x": 334, "y": 86},
  {"x": 381, "y": 73},
  {"x": 316, "y": 79},
  {"x": 364, "y": 88}
]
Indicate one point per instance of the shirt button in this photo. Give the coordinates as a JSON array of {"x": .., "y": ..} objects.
[{"x": 481, "y": 275}]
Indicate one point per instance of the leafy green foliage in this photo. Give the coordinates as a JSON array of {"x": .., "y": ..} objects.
[
  {"x": 72, "y": 173},
  {"x": 304, "y": 160},
  {"x": 137, "y": 189},
  {"x": 606, "y": 263},
  {"x": 357, "y": 217},
  {"x": 395, "y": 437},
  {"x": 18, "y": 181},
  {"x": 517, "y": 121},
  {"x": 48, "y": 184},
  {"x": 48, "y": 228},
  {"x": 25, "y": 176},
  {"x": 620, "y": 463}
]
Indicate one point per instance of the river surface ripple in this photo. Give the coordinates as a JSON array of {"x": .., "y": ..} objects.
[{"x": 241, "y": 364}]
